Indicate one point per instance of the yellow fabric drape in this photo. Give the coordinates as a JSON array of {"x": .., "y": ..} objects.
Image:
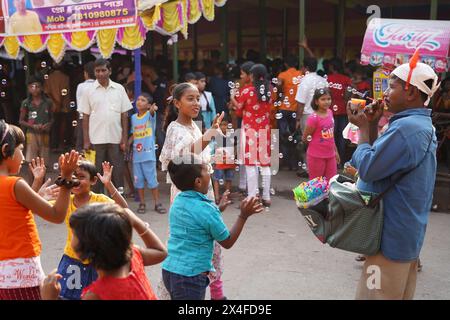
[
  {"x": 151, "y": 17},
  {"x": 12, "y": 46},
  {"x": 195, "y": 13},
  {"x": 33, "y": 43},
  {"x": 56, "y": 46},
  {"x": 171, "y": 23},
  {"x": 208, "y": 9},
  {"x": 132, "y": 38},
  {"x": 106, "y": 39},
  {"x": 80, "y": 40}
]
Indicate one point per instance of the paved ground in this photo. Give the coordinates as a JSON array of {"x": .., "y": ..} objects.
[{"x": 277, "y": 256}]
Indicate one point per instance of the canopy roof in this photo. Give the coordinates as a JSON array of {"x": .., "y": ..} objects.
[{"x": 166, "y": 17}]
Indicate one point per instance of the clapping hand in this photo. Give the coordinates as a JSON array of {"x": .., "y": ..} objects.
[
  {"x": 50, "y": 287},
  {"x": 49, "y": 192},
  {"x": 107, "y": 173},
  {"x": 37, "y": 168},
  {"x": 250, "y": 206},
  {"x": 224, "y": 201},
  {"x": 68, "y": 163}
]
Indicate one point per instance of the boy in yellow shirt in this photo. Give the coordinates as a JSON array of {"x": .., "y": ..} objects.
[{"x": 76, "y": 274}]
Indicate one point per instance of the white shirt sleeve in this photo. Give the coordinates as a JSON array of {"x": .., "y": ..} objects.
[
  {"x": 83, "y": 104},
  {"x": 125, "y": 101},
  {"x": 301, "y": 92}
]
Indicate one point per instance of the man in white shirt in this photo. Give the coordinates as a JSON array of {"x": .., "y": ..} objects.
[
  {"x": 105, "y": 107},
  {"x": 310, "y": 82},
  {"x": 89, "y": 79}
]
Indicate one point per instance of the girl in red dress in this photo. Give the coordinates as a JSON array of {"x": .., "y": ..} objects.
[
  {"x": 102, "y": 234},
  {"x": 253, "y": 106}
]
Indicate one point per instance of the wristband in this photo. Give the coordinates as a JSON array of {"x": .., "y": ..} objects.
[{"x": 68, "y": 184}]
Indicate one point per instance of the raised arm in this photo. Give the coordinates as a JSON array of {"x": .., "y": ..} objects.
[
  {"x": 155, "y": 251},
  {"x": 30, "y": 199}
]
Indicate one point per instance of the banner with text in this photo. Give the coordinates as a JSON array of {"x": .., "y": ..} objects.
[{"x": 25, "y": 17}]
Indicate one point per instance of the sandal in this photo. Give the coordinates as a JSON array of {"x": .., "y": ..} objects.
[
  {"x": 141, "y": 208},
  {"x": 160, "y": 209}
]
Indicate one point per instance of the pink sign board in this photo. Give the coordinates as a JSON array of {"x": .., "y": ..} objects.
[{"x": 392, "y": 41}]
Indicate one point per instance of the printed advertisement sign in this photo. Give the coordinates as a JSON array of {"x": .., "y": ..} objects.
[{"x": 25, "y": 17}]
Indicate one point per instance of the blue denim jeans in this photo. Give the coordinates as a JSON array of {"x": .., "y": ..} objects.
[{"x": 185, "y": 288}]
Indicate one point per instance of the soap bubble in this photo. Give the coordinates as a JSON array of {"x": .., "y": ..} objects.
[
  {"x": 81, "y": 116},
  {"x": 230, "y": 126},
  {"x": 4, "y": 82},
  {"x": 280, "y": 155},
  {"x": 267, "y": 209},
  {"x": 236, "y": 169},
  {"x": 272, "y": 191},
  {"x": 231, "y": 84},
  {"x": 294, "y": 115},
  {"x": 120, "y": 189},
  {"x": 74, "y": 123},
  {"x": 251, "y": 93},
  {"x": 55, "y": 166},
  {"x": 25, "y": 68},
  {"x": 300, "y": 163},
  {"x": 263, "y": 98},
  {"x": 45, "y": 76},
  {"x": 43, "y": 64},
  {"x": 291, "y": 92},
  {"x": 237, "y": 85},
  {"x": 72, "y": 104},
  {"x": 221, "y": 182},
  {"x": 275, "y": 81},
  {"x": 2, "y": 94},
  {"x": 64, "y": 92},
  {"x": 304, "y": 166},
  {"x": 34, "y": 115},
  {"x": 309, "y": 138},
  {"x": 335, "y": 108},
  {"x": 290, "y": 138},
  {"x": 278, "y": 115},
  {"x": 156, "y": 147},
  {"x": 275, "y": 90}
]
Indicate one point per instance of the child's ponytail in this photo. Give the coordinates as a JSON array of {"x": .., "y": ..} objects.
[{"x": 260, "y": 82}]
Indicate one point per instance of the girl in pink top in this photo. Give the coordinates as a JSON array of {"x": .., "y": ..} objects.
[{"x": 322, "y": 156}]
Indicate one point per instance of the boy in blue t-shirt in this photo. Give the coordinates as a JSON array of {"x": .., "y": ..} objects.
[
  {"x": 194, "y": 223},
  {"x": 143, "y": 126}
]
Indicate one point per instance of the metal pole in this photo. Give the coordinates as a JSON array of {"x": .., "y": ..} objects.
[
  {"x": 340, "y": 30},
  {"x": 239, "y": 37},
  {"x": 285, "y": 33},
  {"x": 137, "y": 73},
  {"x": 195, "y": 41},
  {"x": 301, "y": 20},
  {"x": 225, "y": 46},
  {"x": 262, "y": 31},
  {"x": 434, "y": 9},
  {"x": 175, "y": 62}
]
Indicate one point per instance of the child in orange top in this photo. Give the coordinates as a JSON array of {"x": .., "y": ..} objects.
[
  {"x": 20, "y": 247},
  {"x": 102, "y": 234}
]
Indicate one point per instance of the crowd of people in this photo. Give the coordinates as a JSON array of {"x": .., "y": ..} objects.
[{"x": 201, "y": 131}]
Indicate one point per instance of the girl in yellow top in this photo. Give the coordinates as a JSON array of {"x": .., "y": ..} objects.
[{"x": 77, "y": 274}]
